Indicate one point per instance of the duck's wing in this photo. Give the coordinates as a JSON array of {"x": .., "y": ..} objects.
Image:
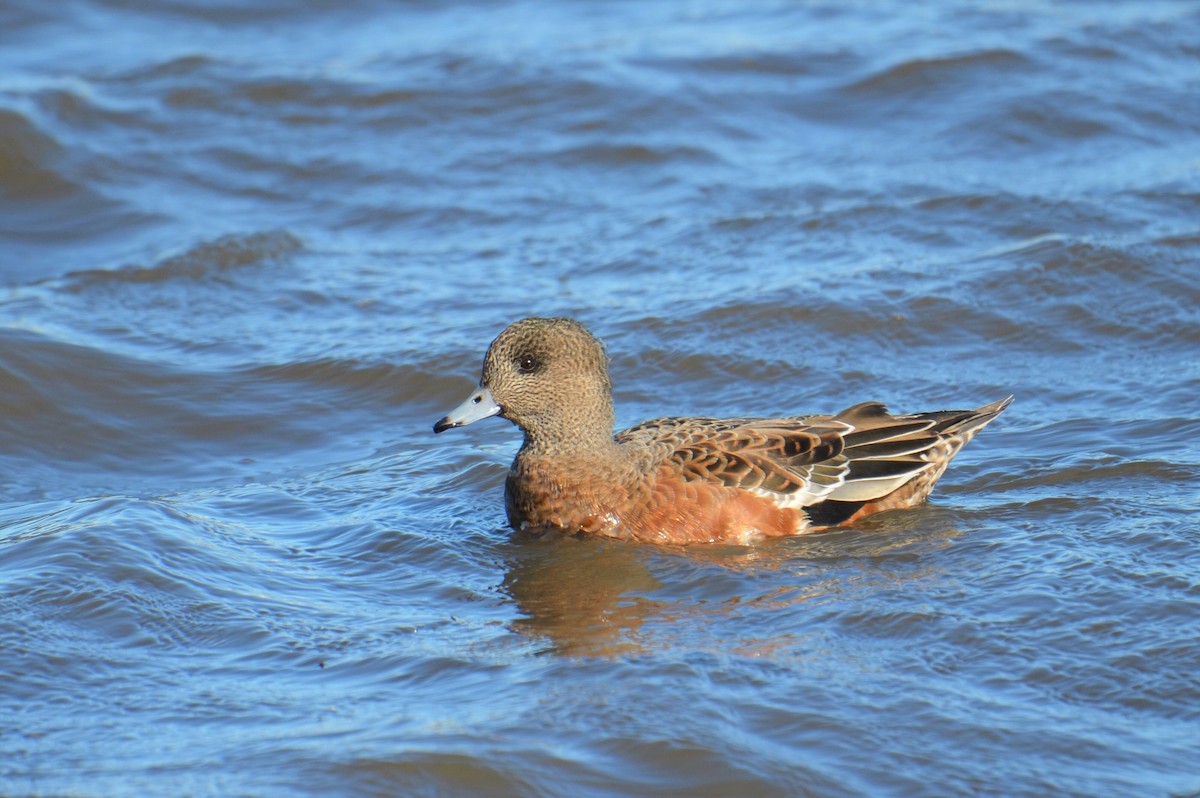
[
  {"x": 859, "y": 455},
  {"x": 886, "y": 452},
  {"x": 794, "y": 461}
]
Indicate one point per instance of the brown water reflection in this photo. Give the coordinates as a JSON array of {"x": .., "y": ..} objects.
[
  {"x": 610, "y": 598},
  {"x": 581, "y": 595}
]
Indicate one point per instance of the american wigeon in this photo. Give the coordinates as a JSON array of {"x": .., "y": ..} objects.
[{"x": 691, "y": 480}]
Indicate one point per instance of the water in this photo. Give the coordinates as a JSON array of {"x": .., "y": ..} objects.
[{"x": 250, "y": 252}]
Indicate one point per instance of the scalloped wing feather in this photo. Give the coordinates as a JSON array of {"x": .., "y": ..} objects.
[
  {"x": 859, "y": 455},
  {"x": 795, "y": 462}
]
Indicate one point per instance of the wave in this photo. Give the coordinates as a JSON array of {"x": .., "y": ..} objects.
[
  {"x": 77, "y": 414},
  {"x": 959, "y": 72},
  {"x": 51, "y": 208},
  {"x": 208, "y": 259}
]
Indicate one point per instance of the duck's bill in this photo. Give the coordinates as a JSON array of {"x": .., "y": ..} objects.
[{"x": 479, "y": 405}]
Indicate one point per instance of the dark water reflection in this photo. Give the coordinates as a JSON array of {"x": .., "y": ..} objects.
[
  {"x": 614, "y": 599},
  {"x": 582, "y": 598}
]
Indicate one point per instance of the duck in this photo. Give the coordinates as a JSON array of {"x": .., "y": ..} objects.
[{"x": 686, "y": 479}]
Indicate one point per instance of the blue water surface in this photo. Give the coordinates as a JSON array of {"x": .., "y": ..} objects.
[{"x": 251, "y": 251}]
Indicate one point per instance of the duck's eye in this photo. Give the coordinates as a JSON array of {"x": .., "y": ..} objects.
[{"x": 528, "y": 364}]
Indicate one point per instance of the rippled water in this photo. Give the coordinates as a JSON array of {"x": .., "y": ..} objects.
[{"x": 251, "y": 251}]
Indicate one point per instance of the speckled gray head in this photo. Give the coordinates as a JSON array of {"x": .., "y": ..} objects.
[{"x": 548, "y": 376}]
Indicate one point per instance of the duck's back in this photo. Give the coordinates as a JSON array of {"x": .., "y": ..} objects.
[{"x": 732, "y": 479}]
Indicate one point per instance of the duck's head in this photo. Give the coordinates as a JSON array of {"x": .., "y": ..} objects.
[{"x": 547, "y": 376}]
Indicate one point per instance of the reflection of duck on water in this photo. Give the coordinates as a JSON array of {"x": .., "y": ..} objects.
[
  {"x": 689, "y": 480},
  {"x": 595, "y": 597},
  {"x": 582, "y": 597}
]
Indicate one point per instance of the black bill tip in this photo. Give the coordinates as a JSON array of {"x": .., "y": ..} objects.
[{"x": 444, "y": 424}]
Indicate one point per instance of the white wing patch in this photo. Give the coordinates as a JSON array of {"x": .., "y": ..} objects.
[{"x": 821, "y": 481}]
